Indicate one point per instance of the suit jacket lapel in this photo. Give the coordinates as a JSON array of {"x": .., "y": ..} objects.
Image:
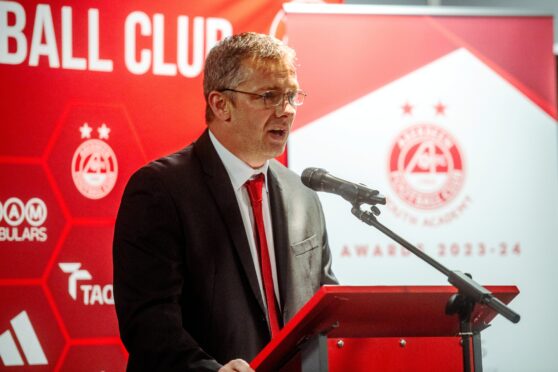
[
  {"x": 280, "y": 234},
  {"x": 220, "y": 186}
]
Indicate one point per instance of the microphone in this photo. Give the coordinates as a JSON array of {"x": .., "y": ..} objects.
[{"x": 320, "y": 180}]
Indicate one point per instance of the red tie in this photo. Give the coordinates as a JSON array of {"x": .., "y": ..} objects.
[{"x": 254, "y": 187}]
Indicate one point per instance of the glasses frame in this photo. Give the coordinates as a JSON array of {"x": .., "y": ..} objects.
[{"x": 290, "y": 98}]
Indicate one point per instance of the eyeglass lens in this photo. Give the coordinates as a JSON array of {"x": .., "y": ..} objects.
[{"x": 275, "y": 98}]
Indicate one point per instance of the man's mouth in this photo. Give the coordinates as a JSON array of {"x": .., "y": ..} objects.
[{"x": 278, "y": 133}]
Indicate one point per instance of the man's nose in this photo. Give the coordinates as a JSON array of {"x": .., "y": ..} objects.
[{"x": 285, "y": 108}]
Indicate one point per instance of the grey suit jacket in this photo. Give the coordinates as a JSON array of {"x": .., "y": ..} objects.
[{"x": 185, "y": 286}]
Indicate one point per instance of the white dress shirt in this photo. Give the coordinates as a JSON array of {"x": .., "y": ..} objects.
[{"x": 240, "y": 172}]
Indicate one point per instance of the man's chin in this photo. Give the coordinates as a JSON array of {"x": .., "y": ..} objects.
[{"x": 278, "y": 151}]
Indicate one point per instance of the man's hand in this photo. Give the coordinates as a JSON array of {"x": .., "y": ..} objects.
[{"x": 236, "y": 365}]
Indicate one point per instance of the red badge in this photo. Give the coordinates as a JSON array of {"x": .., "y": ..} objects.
[{"x": 425, "y": 166}]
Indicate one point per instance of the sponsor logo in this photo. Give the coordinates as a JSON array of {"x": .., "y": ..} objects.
[
  {"x": 426, "y": 167},
  {"x": 28, "y": 342},
  {"x": 89, "y": 294},
  {"x": 21, "y": 221},
  {"x": 94, "y": 164}
]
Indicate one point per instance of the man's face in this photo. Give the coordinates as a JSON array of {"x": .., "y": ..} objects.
[{"x": 259, "y": 133}]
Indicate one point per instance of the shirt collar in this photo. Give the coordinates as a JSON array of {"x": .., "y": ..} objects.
[{"x": 239, "y": 172}]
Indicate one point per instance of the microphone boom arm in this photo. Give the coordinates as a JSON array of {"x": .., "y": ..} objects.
[{"x": 463, "y": 282}]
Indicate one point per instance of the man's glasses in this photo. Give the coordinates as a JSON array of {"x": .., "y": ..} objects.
[{"x": 273, "y": 98}]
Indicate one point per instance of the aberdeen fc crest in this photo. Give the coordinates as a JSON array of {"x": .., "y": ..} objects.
[
  {"x": 426, "y": 169},
  {"x": 94, "y": 165}
]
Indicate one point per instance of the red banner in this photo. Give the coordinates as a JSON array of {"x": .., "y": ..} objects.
[{"x": 90, "y": 91}]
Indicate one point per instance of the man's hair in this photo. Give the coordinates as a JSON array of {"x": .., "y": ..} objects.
[{"x": 223, "y": 63}]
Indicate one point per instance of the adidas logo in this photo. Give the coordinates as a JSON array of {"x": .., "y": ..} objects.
[{"x": 28, "y": 341}]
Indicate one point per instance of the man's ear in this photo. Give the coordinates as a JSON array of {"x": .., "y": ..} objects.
[{"x": 220, "y": 105}]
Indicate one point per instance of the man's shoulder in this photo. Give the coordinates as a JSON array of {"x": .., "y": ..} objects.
[
  {"x": 169, "y": 169},
  {"x": 171, "y": 162},
  {"x": 199, "y": 155}
]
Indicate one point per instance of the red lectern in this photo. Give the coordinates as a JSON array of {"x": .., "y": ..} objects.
[{"x": 377, "y": 328}]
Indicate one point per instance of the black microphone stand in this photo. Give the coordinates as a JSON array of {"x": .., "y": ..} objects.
[{"x": 469, "y": 291}]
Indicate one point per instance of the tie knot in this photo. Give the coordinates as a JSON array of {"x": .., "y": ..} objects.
[{"x": 254, "y": 187}]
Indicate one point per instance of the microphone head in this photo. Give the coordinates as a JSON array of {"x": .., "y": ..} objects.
[{"x": 312, "y": 178}]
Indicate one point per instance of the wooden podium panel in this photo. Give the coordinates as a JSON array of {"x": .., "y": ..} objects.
[{"x": 372, "y": 320}]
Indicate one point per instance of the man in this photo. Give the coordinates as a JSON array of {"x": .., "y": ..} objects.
[{"x": 205, "y": 273}]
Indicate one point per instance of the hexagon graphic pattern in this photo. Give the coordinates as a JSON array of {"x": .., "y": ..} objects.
[
  {"x": 94, "y": 152},
  {"x": 31, "y": 221},
  {"x": 81, "y": 282}
]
